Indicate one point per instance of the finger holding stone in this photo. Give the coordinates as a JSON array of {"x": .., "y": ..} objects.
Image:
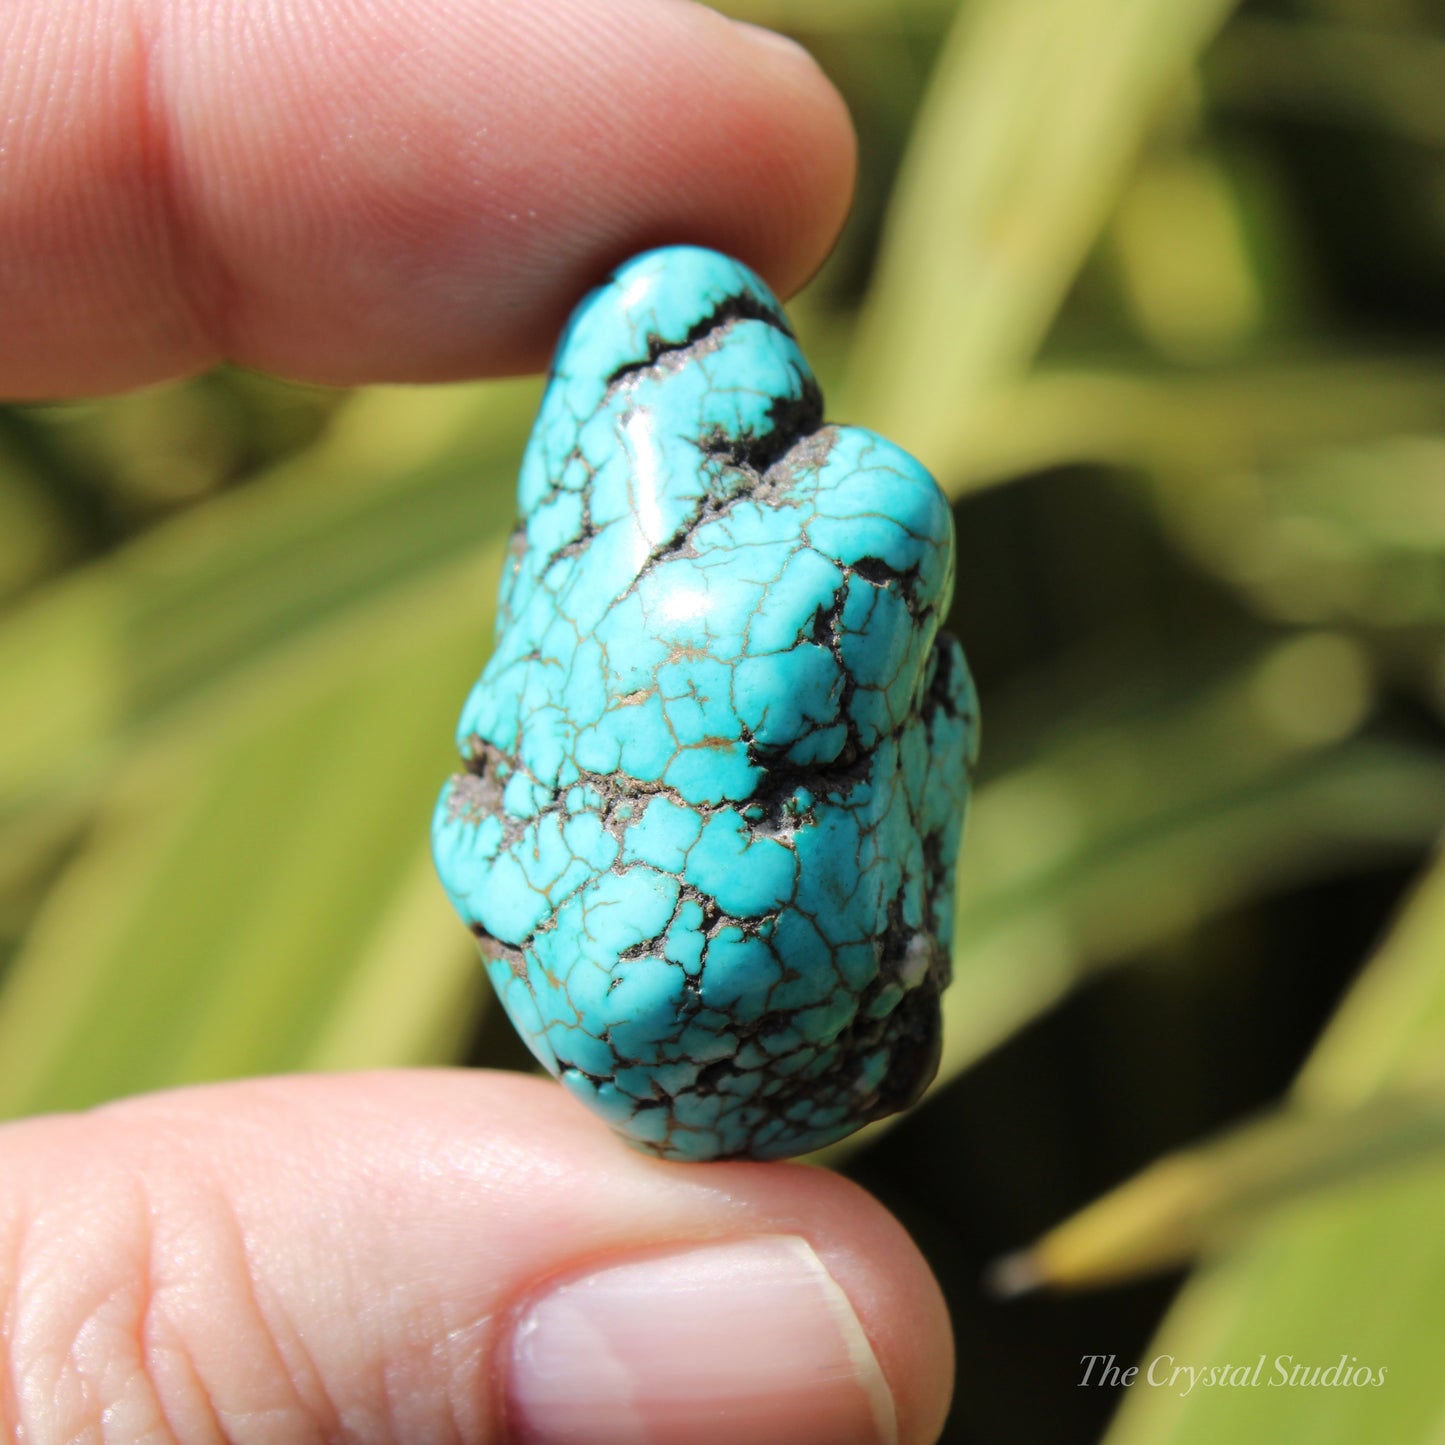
[
  {"x": 442, "y": 1256},
  {"x": 406, "y": 190}
]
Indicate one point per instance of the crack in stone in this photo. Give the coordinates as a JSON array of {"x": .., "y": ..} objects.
[
  {"x": 770, "y": 464},
  {"x": 700, "y": 337}
]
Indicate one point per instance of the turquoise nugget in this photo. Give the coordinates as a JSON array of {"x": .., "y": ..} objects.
[{"x": 717, "y": 766}]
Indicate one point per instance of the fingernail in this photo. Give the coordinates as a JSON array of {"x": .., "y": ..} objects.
[{"x": 747, "y": 1341}]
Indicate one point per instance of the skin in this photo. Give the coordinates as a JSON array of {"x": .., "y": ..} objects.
[
  {"x": 363, "y": 190},
  {"x": 350, "y": 191}
]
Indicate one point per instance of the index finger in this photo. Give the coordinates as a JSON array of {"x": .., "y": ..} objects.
[{"x": 360, "y": 190}]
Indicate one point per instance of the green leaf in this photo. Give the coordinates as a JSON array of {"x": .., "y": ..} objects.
[
  {"x": 1193, "y": 429},
  {"x": 1128, "y": 883},
  {"x": 414, "y": 992},
  {"x": 1391, "y": 1028},
  {"x": 1358, "y": 1273},
  {"x": 1353, "y": 533},
  {"x": 405, "y": 480},
  {"x": 1211, "y": 1195},
  {"x": 1035, "y": 111},
  {"x": 1354, "y": 1277},
  {"x": 251, "y": 866}
]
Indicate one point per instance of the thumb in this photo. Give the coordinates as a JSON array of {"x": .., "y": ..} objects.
[{"x": 441, "y": 1256}]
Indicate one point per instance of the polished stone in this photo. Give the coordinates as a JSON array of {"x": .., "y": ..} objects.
[{"x": 717, "y": 765}]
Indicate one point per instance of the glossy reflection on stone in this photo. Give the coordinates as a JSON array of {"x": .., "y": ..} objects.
[{"x": 716, "y": 768}]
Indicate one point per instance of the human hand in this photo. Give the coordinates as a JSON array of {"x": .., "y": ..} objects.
[{"x": 411, "y": 189}]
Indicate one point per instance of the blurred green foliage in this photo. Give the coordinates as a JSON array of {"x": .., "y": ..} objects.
[{"x": 1156, "y": 287}]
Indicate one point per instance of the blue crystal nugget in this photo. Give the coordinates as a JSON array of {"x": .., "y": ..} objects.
[{"x": 717, "y": 765}]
